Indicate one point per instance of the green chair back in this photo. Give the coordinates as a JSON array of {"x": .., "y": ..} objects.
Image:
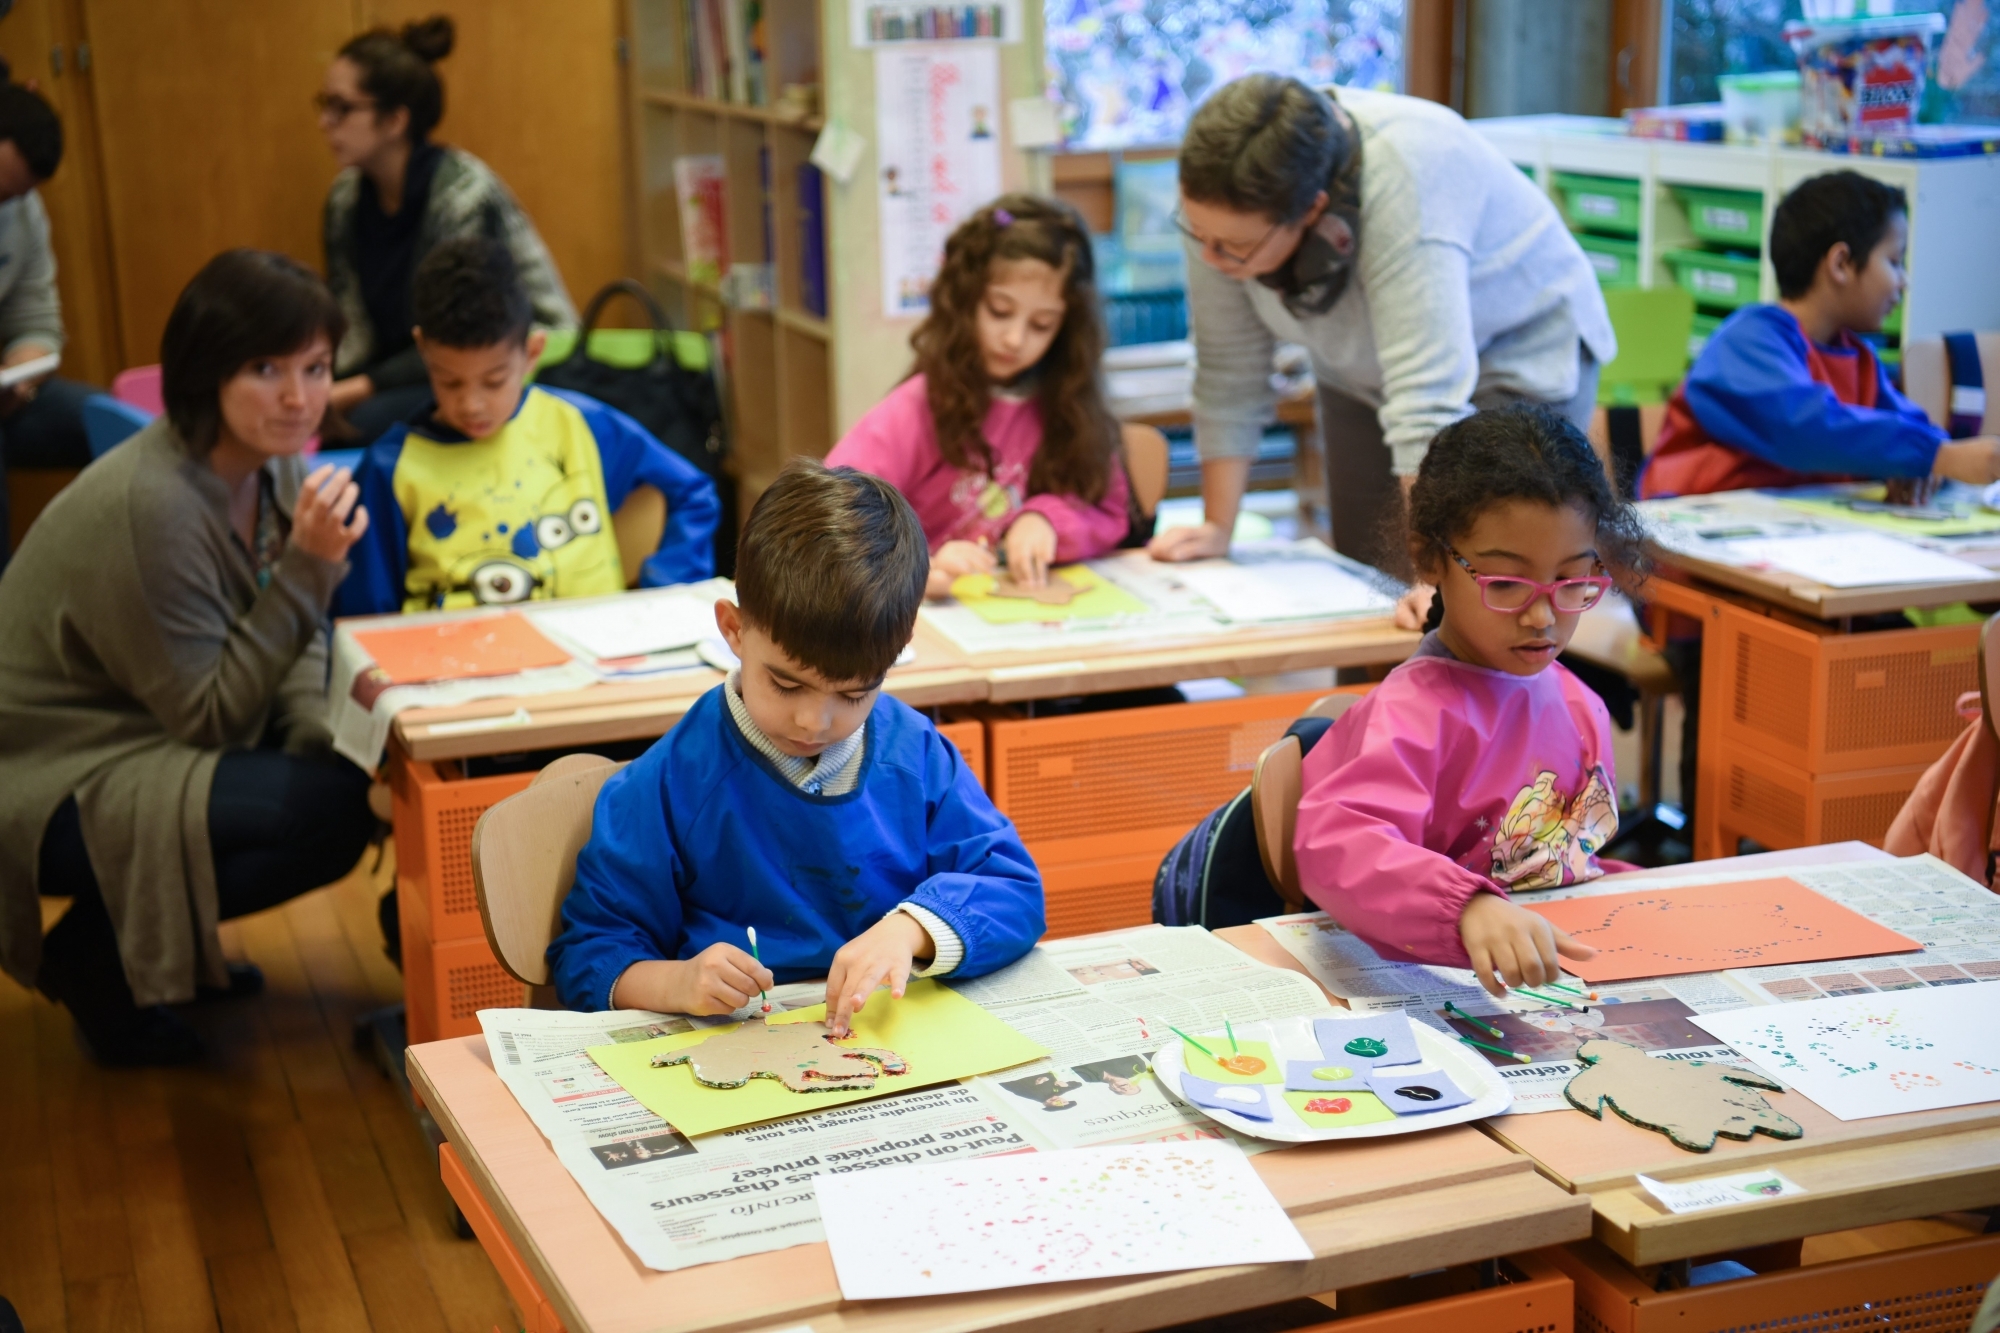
[{"x": 1652, "y": 325}]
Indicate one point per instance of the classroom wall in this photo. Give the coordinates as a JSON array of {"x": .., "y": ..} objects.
[
  {"x": 1531, "y": 56},
  {"x": 200, "y": 112}
]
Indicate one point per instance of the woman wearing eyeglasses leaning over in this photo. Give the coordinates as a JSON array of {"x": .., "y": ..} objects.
[
  {"x": 1481, "y": 767},
  {"x": 398, "y": 196},
  {"x": 1424, "y": 272}
]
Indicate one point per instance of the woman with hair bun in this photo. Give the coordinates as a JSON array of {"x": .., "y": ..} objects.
[{"x": 397, "y": 197}]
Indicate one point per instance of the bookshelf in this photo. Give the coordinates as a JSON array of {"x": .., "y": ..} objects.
[{"x": 800, "y": 372}]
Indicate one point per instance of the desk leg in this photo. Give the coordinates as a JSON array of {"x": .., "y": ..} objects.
[
  {"x": 537, "y": 1315},
  {"x": 1711, "y": 839}
]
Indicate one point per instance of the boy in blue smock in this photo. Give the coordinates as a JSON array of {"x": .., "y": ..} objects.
[
  {"x": 500, "y": 492},
  {"x": 795, "y": 798}
]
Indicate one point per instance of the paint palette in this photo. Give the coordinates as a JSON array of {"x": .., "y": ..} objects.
[{"x": 1462, "y": 1084}]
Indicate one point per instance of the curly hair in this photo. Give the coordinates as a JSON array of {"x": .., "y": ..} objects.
[
  {"x": 1079, "y": 434},
  {"x": 1526, "y": 452}
]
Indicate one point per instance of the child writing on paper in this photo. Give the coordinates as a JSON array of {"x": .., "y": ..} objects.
[
  {"x": 795, "y": 798},
  {"x": 1001, "y": 438},
  {"x": 1481, "y": 766},
  {"x": 501, "y": 492},
  {"x": 1786, "y": 394}
]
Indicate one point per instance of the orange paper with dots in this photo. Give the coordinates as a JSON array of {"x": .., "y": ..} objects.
[{"x": 1708, "y": 927}]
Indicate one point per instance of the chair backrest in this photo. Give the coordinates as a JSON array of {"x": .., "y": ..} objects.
[
  {"x": 108, "y": 422},
  {"x": 140, "y": 386},
  {"x": 1927, "y": 378},
  {"x": 1274, "y": 806},
  {"x": 1146, "y": 465},
  {"x": 638, "y": 525},
  {"x": 1652, "y": 326},
  {"x": 1989, "y": 672},
  {"x": 524, "y": 860},
  {"x": 1331, "y": 706}
]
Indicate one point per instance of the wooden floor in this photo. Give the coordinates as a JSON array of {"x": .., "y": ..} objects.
[{"x": 282, "y": 1187}]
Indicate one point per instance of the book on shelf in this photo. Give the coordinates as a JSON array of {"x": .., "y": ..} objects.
[
  {"x": 725, "y": 48},
  {"x": 701, "y": 184},
  {"x": 812, "y": 240}
]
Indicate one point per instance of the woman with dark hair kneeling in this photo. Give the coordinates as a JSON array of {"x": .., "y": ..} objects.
[{"x": 163, "y": 660}]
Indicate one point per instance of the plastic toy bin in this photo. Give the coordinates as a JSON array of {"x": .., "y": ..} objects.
[
  {"x": 1615, "y": 261},
  {"x": 1608, "y": 205},
  {"x": 1727, "y": 282},
  {"x": 1730, "y": 218}
]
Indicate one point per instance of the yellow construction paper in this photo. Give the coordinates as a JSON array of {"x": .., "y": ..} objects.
[
  {"x": 943, "y": 1035},
  {"x": 1367, "y": 1109},
  {"x": 1098, "y": 600},
  {"x": 1202, "y": 1067}
]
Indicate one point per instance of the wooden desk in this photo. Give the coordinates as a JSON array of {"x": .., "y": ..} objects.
[
  {"x": 1371, "y": 1210},
  {"x": 1856, "y": 1173},
  {"x": 1803, "y": 596}
]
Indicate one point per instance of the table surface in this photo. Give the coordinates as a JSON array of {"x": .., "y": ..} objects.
[
  {"x": 941, "y": 674},
  {"x": 1372, "y": 1209}
]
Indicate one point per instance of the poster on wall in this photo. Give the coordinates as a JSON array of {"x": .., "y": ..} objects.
[{"x": 937, "y": 128}]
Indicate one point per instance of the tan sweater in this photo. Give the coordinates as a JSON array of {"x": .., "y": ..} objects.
[{"x": 135, "y": 647}]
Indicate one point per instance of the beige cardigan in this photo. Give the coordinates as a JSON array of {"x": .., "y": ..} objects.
[{"x": 135, "y": 647}]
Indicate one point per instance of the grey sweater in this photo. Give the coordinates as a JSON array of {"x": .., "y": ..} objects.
[
  {"x": 1466, "y": 281},
  {"x": 29, "y": 310},
  {"x": 135, "y": 647}
]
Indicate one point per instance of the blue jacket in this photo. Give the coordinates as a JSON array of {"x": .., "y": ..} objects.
[
  {"x": 1763, "y": 406},
  {"x": 702, "y": 837},
  {"x": 523, "y": 514}
]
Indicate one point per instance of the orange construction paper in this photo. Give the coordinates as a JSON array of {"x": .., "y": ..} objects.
[
  {"x": 459, "y": 649},
  {"x": 1709, "y": 927}
]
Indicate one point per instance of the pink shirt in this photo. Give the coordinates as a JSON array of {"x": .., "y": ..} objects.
[
  {"x": 897, "y": 442},
  {"x": 1445, "y": 780}
]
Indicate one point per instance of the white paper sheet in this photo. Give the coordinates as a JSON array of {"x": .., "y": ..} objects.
[
  {"x": 1860, "y": 1056},
  {"x": 1051, "y": 1217},
  {"x": 1856, "y": 560},
  {"x": 1244, "y": 590},
  {"x": 633, "y": 624},
  {"x": 1693, "y": 1196}
]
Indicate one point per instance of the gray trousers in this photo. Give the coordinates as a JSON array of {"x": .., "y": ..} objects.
[{"x": 1364, "y": 502}]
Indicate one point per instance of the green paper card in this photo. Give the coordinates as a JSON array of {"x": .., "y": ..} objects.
[
  {"x": 1202, "y": 1067},
  {"x": 944, "y": 1037},
  {"x": 1363, "y": 1108},
  {"x": 1097, "y": 600}
]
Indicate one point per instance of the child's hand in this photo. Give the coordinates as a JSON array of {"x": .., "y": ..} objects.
[
  {"x": 719, "y": 980},
  {"x": 879, "y": 956},
  {"x": 328, "y": 518},
  {"x": 954, "y": 560},
  {"x": 1031, "y": 549},
  {"x": 1976, "y": 460},
  {"x": 1511, "y": 946}
]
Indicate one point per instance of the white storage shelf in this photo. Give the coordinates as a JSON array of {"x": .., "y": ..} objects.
[{"x": 1954, "y": 252}]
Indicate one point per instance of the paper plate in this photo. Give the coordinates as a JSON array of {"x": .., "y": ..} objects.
[{"x": 1292, "y": 1039}]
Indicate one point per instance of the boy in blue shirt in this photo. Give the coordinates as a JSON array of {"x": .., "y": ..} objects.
[
  {"x": 795, "y": 798},
  {"x": 502, "y": 493},
  {"x": 1787, "y": 394}
]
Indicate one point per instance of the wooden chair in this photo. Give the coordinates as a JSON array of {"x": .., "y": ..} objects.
[
  {"x": 1146, "y": 465},
  {"x": 638, "y": 526},
  {"x": 1275, "y": 788},
  {"x": 524, "y": 860}
]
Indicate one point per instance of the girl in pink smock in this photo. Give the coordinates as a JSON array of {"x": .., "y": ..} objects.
[
  {"x": 1000, "y": 438},
  {"x": 1481, "y": 767}
]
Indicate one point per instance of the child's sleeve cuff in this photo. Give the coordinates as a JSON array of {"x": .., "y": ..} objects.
[{"x": 950, "y": 948}]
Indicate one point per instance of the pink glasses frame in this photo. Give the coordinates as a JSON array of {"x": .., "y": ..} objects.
[{"x": 1599, "y": 584}]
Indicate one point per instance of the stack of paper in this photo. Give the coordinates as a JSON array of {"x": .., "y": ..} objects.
[
  {"x": 1856, "y": 560},
  {"x": 1299, "y": 581},
  {"x": 632, "y": 625}
]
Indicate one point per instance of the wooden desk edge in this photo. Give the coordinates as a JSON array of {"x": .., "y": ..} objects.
[{"x": 1821, "y": 602}]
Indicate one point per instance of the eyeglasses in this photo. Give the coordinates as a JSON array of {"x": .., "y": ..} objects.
[
  {"x": 1217, "y": 248},
  {"x": 334, "y": 107},
  {"x": 1500, "y": 592}
]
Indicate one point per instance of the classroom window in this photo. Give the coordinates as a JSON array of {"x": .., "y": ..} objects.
[{"x": 1129, "y": 73}]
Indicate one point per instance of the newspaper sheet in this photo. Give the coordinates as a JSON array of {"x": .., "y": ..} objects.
[{"x": 1102, "y": 1005}]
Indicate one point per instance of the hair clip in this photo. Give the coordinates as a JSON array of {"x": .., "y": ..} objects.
[{"x": 1003, "y": 218}]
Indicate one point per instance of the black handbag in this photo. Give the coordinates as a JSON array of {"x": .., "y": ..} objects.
[{"x": 679, "y": 406}]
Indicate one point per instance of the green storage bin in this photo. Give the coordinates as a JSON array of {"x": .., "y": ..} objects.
[
  {"x": 1607, "y": 205},
  {"x": 1723, "y": 281},
  {"x": 1615, "y": 262},
  {"x": 1700, "y": 331},
  {"x": 1892, "y": 325},
  {"x": 628, "y": 349},
  {"x": 1733, "y": 218}
]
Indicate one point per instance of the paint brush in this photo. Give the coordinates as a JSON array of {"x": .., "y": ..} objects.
[
  {"x": 760, "y": 962},
  {"x": 1497, "y": 1050},
  {"x": 1233, "y": 1049},
  {"x": 1483, "y": 1026},
  {"x": 1549, "y": 999},
  {"x": 1190, "y": 1041},
  {"x": 1557, "y": 985}
]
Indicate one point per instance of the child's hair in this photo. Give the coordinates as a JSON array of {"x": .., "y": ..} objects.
[
  {"x": 28, "y": 120},
  {"x": 832, "y": 565},
  {"x": 244, "y": 306},
  {"x": 1526, "y": 452},
  {"x": 467, "y": 293},
  {"x": 1820, "y": 213},
  {"x": 396, "y": 70},
  {"x": 1079, "y": 434}
]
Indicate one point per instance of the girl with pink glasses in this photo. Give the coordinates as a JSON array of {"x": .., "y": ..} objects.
[{"x": 1480, "y": 767}]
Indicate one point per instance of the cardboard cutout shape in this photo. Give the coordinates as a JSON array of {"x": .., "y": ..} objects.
[
  {"x": 1056, "y": 592},
  {"x": 802, "y": 1056},
  {"x": 1688, "y": 1101}
]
